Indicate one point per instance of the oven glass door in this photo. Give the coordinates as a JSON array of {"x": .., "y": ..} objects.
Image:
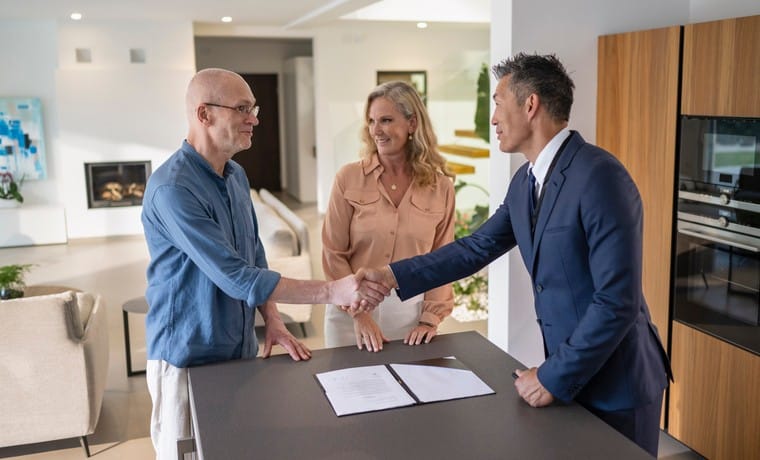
[
  {"x": 720, "y": 156},
  {"x": 717, "y": 284}
]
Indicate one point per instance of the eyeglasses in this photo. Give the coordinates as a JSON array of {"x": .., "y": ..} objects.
[{"x": 242, "y": 109}]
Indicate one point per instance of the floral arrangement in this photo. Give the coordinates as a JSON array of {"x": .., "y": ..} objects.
[{"x": 9, "y": 188}]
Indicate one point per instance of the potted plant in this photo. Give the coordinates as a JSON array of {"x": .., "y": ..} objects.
[
  {"x": 470, "y": 293},
  {"x": 10, "y": 190},
  {"x": 12, "y": 280}
]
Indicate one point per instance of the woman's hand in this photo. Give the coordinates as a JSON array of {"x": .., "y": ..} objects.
[
  {"x": 422, "y": 332},
  {"x": 368, "y": 333}
]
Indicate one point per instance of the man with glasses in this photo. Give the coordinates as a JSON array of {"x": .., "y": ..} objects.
[{"x": 208, "y": 271}]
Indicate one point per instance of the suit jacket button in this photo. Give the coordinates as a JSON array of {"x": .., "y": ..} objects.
[{"x": 539, "y": 288}]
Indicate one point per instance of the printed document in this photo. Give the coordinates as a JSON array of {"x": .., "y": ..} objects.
[{"x": 370, "y": 388}]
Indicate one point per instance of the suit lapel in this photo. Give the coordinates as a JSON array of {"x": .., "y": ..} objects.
[
  {"x": 520, "y": 214},
  {"x": 553, "y": 188}
]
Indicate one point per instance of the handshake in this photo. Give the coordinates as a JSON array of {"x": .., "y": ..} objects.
[{"x": 364, "y": 290}]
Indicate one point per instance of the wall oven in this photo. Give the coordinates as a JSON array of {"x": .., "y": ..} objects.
[{"x": 717, "y": 266}]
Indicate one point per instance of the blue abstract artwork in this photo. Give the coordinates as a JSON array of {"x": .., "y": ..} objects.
[{"x": 22, "y": 143}]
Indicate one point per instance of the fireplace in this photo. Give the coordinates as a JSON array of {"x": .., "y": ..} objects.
[{"x": 116, "y": 184}]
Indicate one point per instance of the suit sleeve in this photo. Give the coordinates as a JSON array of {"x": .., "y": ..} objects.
[{"x": 458, "y": 259}]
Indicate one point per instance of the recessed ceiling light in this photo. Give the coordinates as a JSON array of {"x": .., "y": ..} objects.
[
  {"x": 76, "y": 16},
  {"x": 422, "y": 25},
  {"x": 227, "y": 19}
]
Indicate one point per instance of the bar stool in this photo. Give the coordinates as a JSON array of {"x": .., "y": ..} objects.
[{"x": 136, "y": 305}]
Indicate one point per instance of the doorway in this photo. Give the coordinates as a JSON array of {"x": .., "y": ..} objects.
[{"x": 262, "y": 161}]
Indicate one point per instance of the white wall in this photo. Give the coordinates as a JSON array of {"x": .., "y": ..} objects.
[
  {"x": 570, "y": 30},
  {"x": 712, "y": 10},
  {"x": 29, "y": 58},
  {"x": 347, "y": 56},
  {"x": 113, "y": 110}
]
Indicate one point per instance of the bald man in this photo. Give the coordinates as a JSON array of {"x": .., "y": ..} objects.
[{"x": 208, "y": 270}]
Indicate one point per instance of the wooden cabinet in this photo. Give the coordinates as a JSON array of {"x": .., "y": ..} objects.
[
  {"x": 721, "y": 68},
  {"x": 714, "y": 401},
  {"x": 714, "y": 404},
  {"x": 637, "y": 115}
]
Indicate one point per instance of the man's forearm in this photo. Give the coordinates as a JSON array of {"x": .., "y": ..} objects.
[
  {"x": 269, "y": 312},
  {"x": 353, "y": 290},
  {"x": 294, "y": 291}
]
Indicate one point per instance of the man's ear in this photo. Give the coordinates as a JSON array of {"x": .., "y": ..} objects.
[
  {"x": 203, "y": 115},
  {"x": 532, "y": 102}
]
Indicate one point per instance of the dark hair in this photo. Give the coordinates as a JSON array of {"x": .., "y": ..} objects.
[{"x": 542, "y": 75}]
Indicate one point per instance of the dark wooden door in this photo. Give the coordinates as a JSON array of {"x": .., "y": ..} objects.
[{"x": 262, "y": 161}]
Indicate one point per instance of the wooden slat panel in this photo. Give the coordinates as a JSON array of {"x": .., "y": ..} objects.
[
  {"x": 637, "y": 115},
  {"x": 721, "y": 68},
  {"x": 715, "y": 399}
]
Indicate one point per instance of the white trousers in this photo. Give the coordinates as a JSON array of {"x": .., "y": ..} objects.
[
  {"x": 395, "y": 318},
  {"x": 170, "y": 419}
]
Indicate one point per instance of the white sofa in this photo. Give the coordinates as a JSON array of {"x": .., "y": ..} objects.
[
  {"x": 53, "y": 367},
  {"x": 285, "y": 237}
]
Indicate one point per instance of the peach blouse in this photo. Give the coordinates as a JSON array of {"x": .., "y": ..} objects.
[{"x": 363, "y": 228}]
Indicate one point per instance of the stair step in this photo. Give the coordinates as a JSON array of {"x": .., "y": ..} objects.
[
  {"x": 466, "y": 133},
  {"x": 459, "y": 168},
  {"x": 464, "y": 150}
]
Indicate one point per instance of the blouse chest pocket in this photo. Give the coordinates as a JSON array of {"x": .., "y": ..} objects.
[
  {"x": 425, "y": 214},
  {"x": 367, "y": 212}
]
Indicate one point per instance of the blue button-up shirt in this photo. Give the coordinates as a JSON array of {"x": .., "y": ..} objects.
[{"x": 208, "y": 270}]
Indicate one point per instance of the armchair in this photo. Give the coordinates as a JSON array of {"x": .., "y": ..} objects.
[{"x": 53, "y": 366}]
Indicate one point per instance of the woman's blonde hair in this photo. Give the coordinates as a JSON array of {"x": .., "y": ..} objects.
[{"x": 422, "y": 150}]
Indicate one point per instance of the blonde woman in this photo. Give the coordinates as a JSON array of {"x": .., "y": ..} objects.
[{"x": 396, "y": 202}]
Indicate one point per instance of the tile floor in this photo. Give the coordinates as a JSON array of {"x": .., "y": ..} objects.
[{"x": 115, "y": 268}]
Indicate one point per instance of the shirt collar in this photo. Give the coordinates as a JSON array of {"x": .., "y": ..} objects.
[
  {"x": 544, "y": 159},
  {"x": 198, "y": 159},
  {"x": 370, "y": 164}
]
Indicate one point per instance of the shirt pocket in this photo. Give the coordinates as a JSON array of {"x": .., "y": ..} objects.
[
  {"x": 425, "y": 214},
  {"x": 367, "y": 213}
]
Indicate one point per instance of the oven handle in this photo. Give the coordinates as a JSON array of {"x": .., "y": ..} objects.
[{"x": 716, "y": 239}]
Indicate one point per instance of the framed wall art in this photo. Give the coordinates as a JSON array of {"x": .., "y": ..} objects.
[
  {"x": 416, "y": 78},
  {"x": 22, "y": 144}
]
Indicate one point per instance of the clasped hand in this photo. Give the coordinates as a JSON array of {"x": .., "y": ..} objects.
[{"x": 360, "y": 292}]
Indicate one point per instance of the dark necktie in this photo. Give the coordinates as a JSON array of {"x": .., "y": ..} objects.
[{"x": 532, "y": 191}]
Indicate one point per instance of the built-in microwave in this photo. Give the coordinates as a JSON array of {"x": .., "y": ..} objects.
[{"x": 720, "y": 159}]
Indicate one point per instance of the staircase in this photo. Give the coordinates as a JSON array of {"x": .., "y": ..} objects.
[{"x": 467, "y": 150}]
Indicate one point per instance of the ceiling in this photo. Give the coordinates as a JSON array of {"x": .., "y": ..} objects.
[{"x": 264, "y": 13}]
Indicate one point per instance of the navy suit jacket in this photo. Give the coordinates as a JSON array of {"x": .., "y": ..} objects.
[{"x": 584, "y": 258}]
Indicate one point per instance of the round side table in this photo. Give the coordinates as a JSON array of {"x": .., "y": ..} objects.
[{"x": 138, "y": 305}]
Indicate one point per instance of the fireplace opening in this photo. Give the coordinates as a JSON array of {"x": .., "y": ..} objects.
[{"x": 116, "y": 184}]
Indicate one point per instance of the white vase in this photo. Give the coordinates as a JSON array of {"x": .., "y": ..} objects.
[{"x": 5, "y": 204}]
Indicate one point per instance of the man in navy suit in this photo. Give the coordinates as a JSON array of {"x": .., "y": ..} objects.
[{"x": 578, "y": 225}]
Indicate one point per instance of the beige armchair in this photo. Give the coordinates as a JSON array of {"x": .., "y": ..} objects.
[{"x": 53, "y": 366}]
